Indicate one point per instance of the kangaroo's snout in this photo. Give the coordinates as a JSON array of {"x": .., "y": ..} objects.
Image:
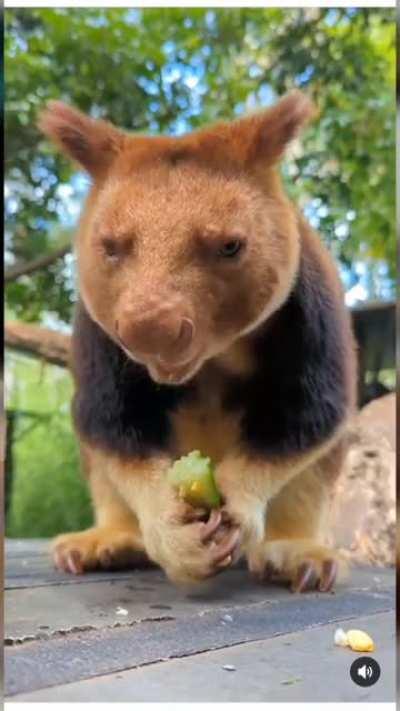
[{"x": 161, "y": 330}]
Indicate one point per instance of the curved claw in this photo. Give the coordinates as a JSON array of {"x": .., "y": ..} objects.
[
  {"x": 226, "y": 548},
  {"x": 329, "y": 574},
  {"x": 306, "y": 578},
  {"x": 74, "y": 562},
  {"x": 208, "y": 529},
  {"x": 69, "y": 562}
]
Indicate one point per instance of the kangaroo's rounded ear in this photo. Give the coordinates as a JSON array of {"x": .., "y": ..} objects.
[
  {"x": 92, "y": 143},
  {"x": 260, "y": 138},
  {"x": 276, "y": 127}
]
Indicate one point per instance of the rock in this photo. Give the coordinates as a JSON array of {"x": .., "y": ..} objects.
[{"x": 364, "y": 504}]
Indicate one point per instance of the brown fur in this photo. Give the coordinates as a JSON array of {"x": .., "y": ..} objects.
[
  {"x": 152, "y": 277},
  {"x": 175, "y": 220}
]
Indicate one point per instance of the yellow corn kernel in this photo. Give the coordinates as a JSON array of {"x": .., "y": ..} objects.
[{"x": 360, "y": 641}]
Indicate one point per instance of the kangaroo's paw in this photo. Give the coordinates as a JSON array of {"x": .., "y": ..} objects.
[
  {"x": 304, "y": 563},
  {"x": 97, "y": 548}
]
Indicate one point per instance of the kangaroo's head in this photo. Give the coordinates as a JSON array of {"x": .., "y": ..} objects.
[{"x": 186, "y": 243}]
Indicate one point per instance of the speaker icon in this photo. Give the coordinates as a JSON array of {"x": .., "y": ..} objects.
[{"x": 365, "y": 671}]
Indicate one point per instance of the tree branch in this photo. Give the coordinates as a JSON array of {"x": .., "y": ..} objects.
[
  {"x": 19, "y": 269},
  {"x": 41, "y": 342}
]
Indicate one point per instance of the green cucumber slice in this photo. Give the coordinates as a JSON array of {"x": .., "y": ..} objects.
[{"x": 193, "y": 477}]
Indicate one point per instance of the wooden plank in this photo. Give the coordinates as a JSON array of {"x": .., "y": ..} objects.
[
  {"x": 37, "y": 572},
  {"x": 81, "y": 655},
  {"x": 42, "y": 610},
  {"x": 16, "y": 547},
  {"x": 147, "y": 595},
  {"x": 28, "y": 564},
  {"x": 300, "y": 667}
]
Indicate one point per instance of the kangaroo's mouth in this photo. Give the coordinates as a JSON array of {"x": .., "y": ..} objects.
[
  {"x": 165, "y": 372},
  {"x": 172, "y": 373}
]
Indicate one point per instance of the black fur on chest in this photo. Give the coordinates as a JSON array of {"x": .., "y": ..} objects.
[
  {"x": 116, "y": 405},
  {"x": 294, "y": 400},
  {"x": 301, "y": 389}
]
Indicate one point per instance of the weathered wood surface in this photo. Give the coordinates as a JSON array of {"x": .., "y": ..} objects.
[{"x": 131, "y": 636}]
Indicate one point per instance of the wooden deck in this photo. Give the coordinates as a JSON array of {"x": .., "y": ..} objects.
[{"x": 131, "y": 636}]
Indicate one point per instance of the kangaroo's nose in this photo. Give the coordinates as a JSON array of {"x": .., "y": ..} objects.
[{"x": 165, "y": 333}]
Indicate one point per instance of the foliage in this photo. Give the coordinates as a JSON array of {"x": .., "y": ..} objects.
[
  {"x": 47, "y": 495},
  {"x": 171, "y": 70}
]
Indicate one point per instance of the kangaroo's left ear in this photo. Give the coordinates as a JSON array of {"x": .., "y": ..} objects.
[
  {"x": 93, "y": 143},
  {"x": 262, "y": 137}
]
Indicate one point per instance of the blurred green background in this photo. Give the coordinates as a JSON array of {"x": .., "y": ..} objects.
[{"x": 170, "y": 70}]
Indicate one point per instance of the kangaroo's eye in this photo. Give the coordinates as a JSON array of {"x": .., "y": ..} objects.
[
  {"x": 114, "y": 250},
  {"x": 231, "y": 248},
  {"x": 110, "y": 248}
]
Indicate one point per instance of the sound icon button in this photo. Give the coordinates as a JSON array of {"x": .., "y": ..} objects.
[{"x": 365, "y": 671}]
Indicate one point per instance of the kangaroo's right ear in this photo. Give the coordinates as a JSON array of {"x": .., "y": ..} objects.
[{"x": 92, "y": 143}]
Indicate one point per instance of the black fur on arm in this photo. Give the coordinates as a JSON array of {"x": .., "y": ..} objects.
[
  {"x": 116, "y": 405},
  {"x": 303, "y": 386}
]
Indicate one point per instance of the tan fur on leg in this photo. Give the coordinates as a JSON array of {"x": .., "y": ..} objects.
[
  {"x": 296, "y": 528},
  {"x": 114, "y": 541},
  {"x": 249, "y": 484}
]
